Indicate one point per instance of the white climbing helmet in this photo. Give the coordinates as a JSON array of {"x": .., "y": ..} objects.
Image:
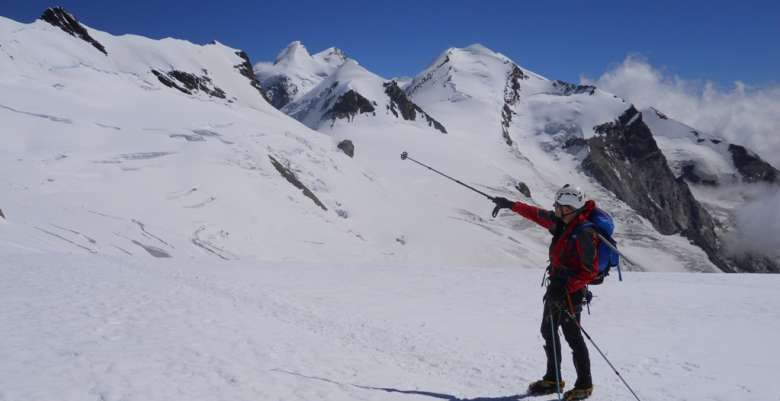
[{"x": 570, "y": 196}]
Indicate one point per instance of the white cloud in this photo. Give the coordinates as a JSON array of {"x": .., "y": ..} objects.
[
  {"x": 743, "y": 115},
  {"x": 757, "y": 228}
]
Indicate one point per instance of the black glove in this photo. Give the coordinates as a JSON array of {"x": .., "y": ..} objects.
[{"x": 501, "y": 203}]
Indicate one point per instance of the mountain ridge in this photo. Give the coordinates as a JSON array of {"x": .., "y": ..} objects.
[{"x": 224, "y": 168}]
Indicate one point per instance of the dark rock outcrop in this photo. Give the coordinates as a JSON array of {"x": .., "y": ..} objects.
[
  {"x": 506, "y": 121},
  {"x": 58, "y": 17},
  {"x": 753, "y": 263},
  {"x": 292, "y": 179},
  {"x": 512, "y": 87},
  {"x": 245, "y": 69},
  {"x": 165, "y": 80},
  {"x": 626, "y": 160},
  {"x": 347, "y": 147},
  {"x": 752, "y": 167},
  {"x": 400, "y": 102},
  {"x": 188, "y": 83},
  {"x": 567, "y": 89},
  {"x": 349, "y": 105},
  {"x": 511, "y": 96}
]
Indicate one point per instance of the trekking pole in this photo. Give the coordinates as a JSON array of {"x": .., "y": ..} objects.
[
  {"x": 603, "y": 356},
  {"x": 555, "y": 358},
  {"x": 405, "y": 156}
]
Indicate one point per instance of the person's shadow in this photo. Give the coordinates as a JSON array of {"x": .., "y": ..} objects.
[{"x": 442, "y": 396}]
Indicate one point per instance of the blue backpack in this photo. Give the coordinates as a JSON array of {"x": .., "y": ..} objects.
[{"x": 609, "y": 257}]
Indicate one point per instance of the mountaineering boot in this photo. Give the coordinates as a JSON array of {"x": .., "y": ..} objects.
[
  {"x": 577, "y": 393},
  {"x": 542, "y": 387}
]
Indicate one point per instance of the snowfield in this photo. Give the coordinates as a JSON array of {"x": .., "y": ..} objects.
[
  {"x": 169, "y": 235},
  {"x": 117, "y": 328}
]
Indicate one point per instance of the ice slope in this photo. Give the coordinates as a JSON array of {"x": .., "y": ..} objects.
[{"x": 78, "y": 327}]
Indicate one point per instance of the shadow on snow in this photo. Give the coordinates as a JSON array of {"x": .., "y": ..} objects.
[{"x": 441, "y": 396}]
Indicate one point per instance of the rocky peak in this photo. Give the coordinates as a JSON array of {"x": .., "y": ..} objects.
[
  {"x": 58, "y": 17},
  {"x": 626, "y": 160}
]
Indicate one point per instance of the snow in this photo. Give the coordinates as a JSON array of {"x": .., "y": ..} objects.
[
  {"x": 96, "y": 144},
  {"x": 683, "y": 144},
  {"x": 101, "y": 158},
  {"x": 153, "y": 252},
  {"x": 302, "y": 69},
  {"x": 103, "y": 327}
]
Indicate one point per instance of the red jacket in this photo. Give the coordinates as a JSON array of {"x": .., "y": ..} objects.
[{"x": 571, "y": 256}]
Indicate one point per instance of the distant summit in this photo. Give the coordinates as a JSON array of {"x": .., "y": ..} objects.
[{"x": 295, "y": 72}]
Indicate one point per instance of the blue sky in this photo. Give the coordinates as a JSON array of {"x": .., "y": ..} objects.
[{"x": 720, "y": 41}]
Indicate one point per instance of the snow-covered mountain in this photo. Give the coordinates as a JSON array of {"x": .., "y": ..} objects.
[
  {"x": 163, "y": 149},
  {"x": 167, "y": 233},
  {"x": 706, "y": 159},
  {"x": 295, "y": 72},
  {"x": 125, "y": 145},
  {"x": 167, "y": 149},
  {"x": 536, "y": 128},
  {"x": 352, "y": 91}
]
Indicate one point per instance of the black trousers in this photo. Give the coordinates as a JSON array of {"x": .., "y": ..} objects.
[{"x": 555, "y": 310}]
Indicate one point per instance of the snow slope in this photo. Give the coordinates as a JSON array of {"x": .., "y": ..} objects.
[
  {"x": 115, "y": 328},
  {"x": 101, "y": 158}
]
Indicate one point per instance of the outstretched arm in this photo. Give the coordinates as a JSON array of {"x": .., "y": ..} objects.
[{"x": 544, "y": 218}]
